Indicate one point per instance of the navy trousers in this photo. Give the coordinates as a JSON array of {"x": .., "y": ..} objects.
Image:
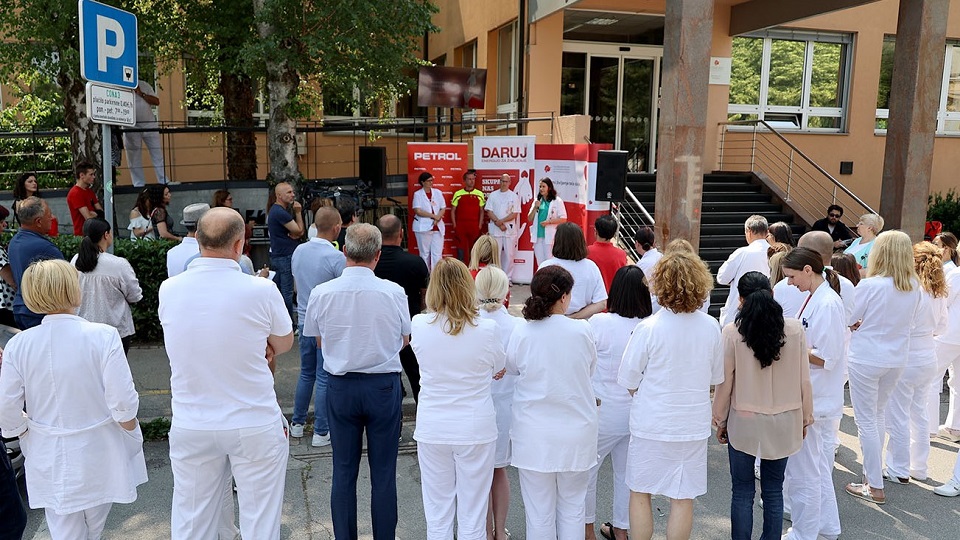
[
  {"x": 12, "y": 515},
  {"x": 358, "y": 402}
]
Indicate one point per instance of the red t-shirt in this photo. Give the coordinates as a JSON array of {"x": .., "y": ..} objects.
[
  {"x": 609, "y": 258},
  {"x": 78, "y": 198}
]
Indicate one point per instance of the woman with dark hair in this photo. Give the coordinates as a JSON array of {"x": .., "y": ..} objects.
[
  {"x": 8, "y": 286},
  {"x": 25, "y": 186},
  {"x": 669, "y": 363},
  {"x": 809, "y": 474},
  {"x": 780, "y": 232},
  {"x": 628, "y": 304},
  {"x": 162, "y": 221},
  {"x": 589, "y": 294},
  {"x": 846, "y": 265},
  {"x": 947, "y": 241},
  {"x": 554, "y": 429},
  {"x": 108, "y": 283},
  {"x": 140, "y": 226},
  {"x": 222, "y": 197},
  {"x": 644, "y": 242},
  {"x": 948, "y": 357},
  {"x": 429, "y": 208},
  {"x": 764, "y": 404},
  {"x": 545, "y": 214}
]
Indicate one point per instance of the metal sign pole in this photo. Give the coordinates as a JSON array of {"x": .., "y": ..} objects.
[{"x": 108, "y": 181}]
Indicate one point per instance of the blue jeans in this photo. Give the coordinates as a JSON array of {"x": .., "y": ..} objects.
[
  {"x": 744, "y": 489},
  {"x": 358, "y": 401},
  {"x": 284, "y": 279},
  {"x": 312, "y": 381}
]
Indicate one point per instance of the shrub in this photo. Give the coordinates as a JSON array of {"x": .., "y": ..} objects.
[
  {"x": 149, "y": 261},
  {"x": 945, "y": 209}
]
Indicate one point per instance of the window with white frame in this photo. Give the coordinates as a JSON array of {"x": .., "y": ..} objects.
[
  {"x": 948, "y": 112},
  {"x": 507, "y": 51},
  {"x": 791, "y": 79}
]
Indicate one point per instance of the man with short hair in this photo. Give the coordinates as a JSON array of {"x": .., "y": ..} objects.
[
  {"x": 30, "y": 244},
  {"x": 285, "y": 226},
  {"x": 503, "y": 208},
  {"x": 410, "y": 272},
  {"x": 314, "y": 262},
  {"x": 348, "y": 216},
  {"x": 180, "y": 255},
  {"x": 752, "y": 257},
  {"x": 467, "y": 215},
  {"x": 608, "y": 257},
  {"x": 361, "y": 322},
  {"x": 222, "y": 329},
  {"x": 832, "y": 225},
  {"x": 81, "y": 199}
]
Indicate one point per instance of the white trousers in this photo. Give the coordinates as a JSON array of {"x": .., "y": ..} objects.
[
  {"x": 228, "y": 510},
  {"x": 870, "y": 390},
  {"x": 616, "y": 447},
  {"x": 508, "y": 251},
  {"x": 430, "y": 244},
  {"x": 907, "y": 423},
  {"x": 554, "y": 503},
  {"x": 257, "y": 459},
  {"x": 83, "y": 525},
  {"x": 133, "y": 144},
  {"x": 455, "y": 480},
  {"x": 802, "y": 487},
  {"x": 542, "y": 251},
  {"x": 948, "y": 359}
]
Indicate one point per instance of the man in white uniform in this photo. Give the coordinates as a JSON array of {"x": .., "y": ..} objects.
[
  {"x": 750, "y": 258},
  {"x": 179, "y": 256},
  {"x": 503, "y": 209},
  {"x": 222, "y": 329},
  {"x": 361, "y": 322},
  {"x": 146, "y": 99}
]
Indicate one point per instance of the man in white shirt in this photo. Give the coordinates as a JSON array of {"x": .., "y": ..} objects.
[
  {"x": 179, "y": 256},
  {"x": 313, "y": 263},
  {"x": 750, "y": 258},
  {"x": 221, "y": 330},
  {"x": 146, "y": 99},
  {"x": 361, "y": 322},
  {"x": 503, "y": 209}
]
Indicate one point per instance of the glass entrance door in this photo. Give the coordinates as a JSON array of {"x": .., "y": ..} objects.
[{"x": 618, "y": 87}]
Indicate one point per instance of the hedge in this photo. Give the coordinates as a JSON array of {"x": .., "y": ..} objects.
[
  {"x": 945, "y": 209},
  {"x": 149, "y": 261}
]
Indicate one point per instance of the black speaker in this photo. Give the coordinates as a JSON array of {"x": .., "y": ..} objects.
[
  {"x": 611, "y": 175},
  {"x": 373, "y": 166}
]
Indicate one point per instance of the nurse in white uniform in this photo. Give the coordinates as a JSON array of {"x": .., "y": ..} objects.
[
  {"x": 459, "y": 356},
  {"x": 948, "y": 348},
  {"x": 589, "y": 294},
  {"x": 629, "y": 303},
  {"x": 554, "y": 431},
  {"x": 809, "y": 473},
  {"x": 82, "y": 445},
  {"x": 670, "y": 362},
  {"x": 428, "y": 209},
  {"x": 493, "y": 286},
  {"x": 888, "y": 302}
]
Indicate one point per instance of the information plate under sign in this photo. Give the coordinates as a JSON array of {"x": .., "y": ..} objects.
[{"x": 111, "y": 105}]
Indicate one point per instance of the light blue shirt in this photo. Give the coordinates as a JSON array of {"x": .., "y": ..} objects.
[{"x": 314, "y": 262}]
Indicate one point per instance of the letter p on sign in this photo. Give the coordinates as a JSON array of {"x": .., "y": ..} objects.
[{"x": 108, "y": 27}]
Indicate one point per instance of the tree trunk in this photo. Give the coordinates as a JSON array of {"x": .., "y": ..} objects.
[
  {"x": 85, "y": 139},
  {"x": 238, "y": 105},
  {"x": 282, "y": 85}
]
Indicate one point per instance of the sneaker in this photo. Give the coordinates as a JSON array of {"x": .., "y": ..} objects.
[
  {"x": 895, "y": 479},
  {"x": 172, "y": 184},
  {"x": 952, "y": 435},
  {"x": 320, "y": 440},
  {"x": 950, "y": 489},
  {"x": 296, "y": 430}
]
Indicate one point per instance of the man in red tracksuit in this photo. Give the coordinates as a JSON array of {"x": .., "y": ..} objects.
[{"x": 467, "y": 215}]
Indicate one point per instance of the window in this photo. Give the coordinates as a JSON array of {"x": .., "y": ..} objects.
[
  {"x": 507, "y": 69},
  {"x": 948, "y": 113},
  {"x": 791, "y": 79}
]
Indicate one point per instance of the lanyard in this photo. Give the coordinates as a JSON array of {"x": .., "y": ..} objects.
[{"x": 807, "y": 301}]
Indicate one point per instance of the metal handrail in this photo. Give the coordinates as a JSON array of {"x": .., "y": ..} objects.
[
  {"x": 643, "y": 210},
  {"x": 836, "y": 183},
  {"x": 630, "y": 220}
]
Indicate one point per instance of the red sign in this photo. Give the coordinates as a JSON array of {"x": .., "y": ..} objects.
[{"x": 446, "y": 162}]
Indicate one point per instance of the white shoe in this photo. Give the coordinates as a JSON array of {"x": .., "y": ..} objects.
[
  {"x": 950, "y": 489},
  {"x": 172, "y": 184},
  {"x": 320, "y": 440},
  {"x": 296, "y": 430},
  {"x": 952, "y": 435}
]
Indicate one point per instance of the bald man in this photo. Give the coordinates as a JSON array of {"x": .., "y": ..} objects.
[
  {"x": 226, "y": 418},
  {"x": 285, "y": 225}
]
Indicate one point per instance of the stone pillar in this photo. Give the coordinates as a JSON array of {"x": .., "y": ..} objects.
[
  {"x": 914, "y": 100},
  {"x": 683, "y": 115}
]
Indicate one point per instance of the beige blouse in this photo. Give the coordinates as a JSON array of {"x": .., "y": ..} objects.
[{"x": 765, "y": 409}]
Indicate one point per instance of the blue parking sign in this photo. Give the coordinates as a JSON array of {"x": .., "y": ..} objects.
[{"x": 108, "y": 45}]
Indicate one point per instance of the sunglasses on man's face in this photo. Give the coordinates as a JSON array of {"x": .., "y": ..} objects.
[{"x": 838, "y": 216}]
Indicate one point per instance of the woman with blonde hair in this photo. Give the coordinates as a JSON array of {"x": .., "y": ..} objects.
[
  {"x": 493, "y": 288},
  {"x": 907, "y": 421},
  {"x": 485, "y": 251},
  {"x": 83, "y": 448},
  {"x": 868, "y": 228},
  {"x": 887, "y": 303},
  {"x": 459, "y": 356},
  {"x": 669, "y": 363}
]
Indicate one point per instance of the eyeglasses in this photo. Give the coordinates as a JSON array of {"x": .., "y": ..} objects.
[{"x": 838, "y": 216}]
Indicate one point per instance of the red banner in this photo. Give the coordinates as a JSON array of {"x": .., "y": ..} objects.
[{"x": 446, "y": 162}]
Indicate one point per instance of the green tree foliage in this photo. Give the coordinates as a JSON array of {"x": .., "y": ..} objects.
[
  {"x": 945, "y": 209},
  {"x": 745, "y": 70}
]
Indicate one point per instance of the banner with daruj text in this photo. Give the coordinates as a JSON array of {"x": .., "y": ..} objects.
[
  {"x": 446, "y": 162},
  {"x": 496, "y": 156}
]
